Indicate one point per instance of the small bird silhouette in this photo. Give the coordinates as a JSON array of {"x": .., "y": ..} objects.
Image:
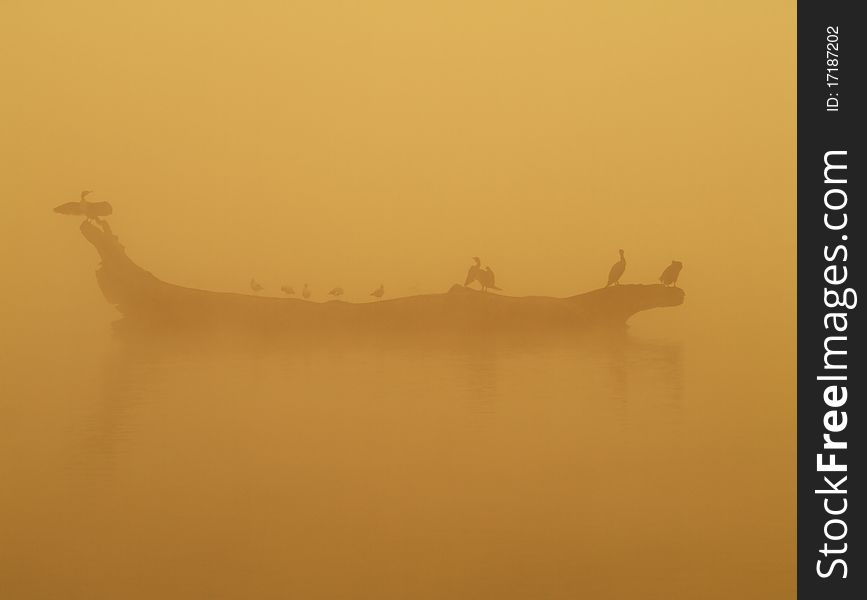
[
  {"x": 254, "y": 285},
  {"x": 378, "y": 292},
  {"x": 288, "y": 290},
  {"x": 336, "y": 292},
  {"x": 305, "y": 293},
  {"x": 671, "y": 273},
  {"x": 616, "y": 271},
  {"x": 88, "y": 210}
]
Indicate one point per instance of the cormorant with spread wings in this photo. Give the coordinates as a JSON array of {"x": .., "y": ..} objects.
[
  {"x": 485, "y": 276},
  {"x": 84, "y": 208}
]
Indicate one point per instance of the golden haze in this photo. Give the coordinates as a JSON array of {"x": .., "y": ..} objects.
[{"x": 352, "y": 144}]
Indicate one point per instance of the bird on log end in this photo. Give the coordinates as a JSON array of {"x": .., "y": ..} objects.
[
  {"x": 84, "y": 208},
  {"x": 671, "y": 273},
  {"x": 616, "y": 271}
]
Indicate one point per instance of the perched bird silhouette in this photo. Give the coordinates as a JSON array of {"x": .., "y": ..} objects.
[
  {"x": 378, "y": 292},
  {"x": 616, "y": 271},
  {"x": 88, "y": 210},
  {"x": 485, "y": 276},
  {"x": 671, "y": 273},
  {"x": 305, "y": 293},
  {"x": 336, "y": 292},
  {"x": 254, "y": 285},
  {"x": 288, "y": 290},
  {"x": 487, "y": 280},
  {"x": 474, "y": 272}
]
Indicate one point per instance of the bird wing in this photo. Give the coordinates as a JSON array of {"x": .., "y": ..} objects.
[
  {"x": 472, "y": 275},
  {"x": 612, "y": 274},
  {"x": 666, "y": 274},
  {"x": 98, "y": 209},
  {"x": 69, "y": 208}
]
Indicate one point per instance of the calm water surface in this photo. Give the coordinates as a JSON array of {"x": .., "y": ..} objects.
[{"x": 624, "y": 466}]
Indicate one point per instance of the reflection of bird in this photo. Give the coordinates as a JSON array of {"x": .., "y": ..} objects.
[
  {"x": 616, "y": 271},
  {"x": 88, "y": 210},
  {"x": 305, "y": 293},
  {"x": 378, "y": 292},
  {"x": 254, "y": 285},
  {"x": 288, "y": 290},
  {"x": 338, "y": 291},
  {"x": 485, "y": 276},
  {"x": 672, "y": 271}
]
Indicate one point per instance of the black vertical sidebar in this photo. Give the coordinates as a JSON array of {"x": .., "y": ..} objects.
[{"x": 832, "y": 372}]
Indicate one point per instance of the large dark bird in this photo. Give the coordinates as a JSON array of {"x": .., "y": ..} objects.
[
  {"x": 485, "y": 276},
  {"x": 474, "y": 272},
  {"x": 288, "y": 290},
  {"x": 255, "y": 286},
  {"x": 336, "y": 292},
  {"x": 378, "y": 292},
  {"x": 671, "y": 273},
  {"x": 89, "y": 210},
  {"x": 616, "y": 271}
]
